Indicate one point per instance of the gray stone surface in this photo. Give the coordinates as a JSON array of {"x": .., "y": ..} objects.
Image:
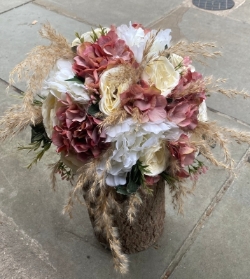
[
  {"x": 21, "y": 256},
  {"x": 21, "y": 36},
  {"x": 8, "y": 5},
  {"x": 112, "y": 11},
  {"x": 222, "y": 249},
  {"x": 68, "y": 246},
  {"x": 242, "y": 13}
]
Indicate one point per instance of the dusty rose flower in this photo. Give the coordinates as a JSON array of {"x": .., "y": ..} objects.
[
  {"x": 93, "y": 58},
  {"x": 186, "y": 81},
  {"x": 184, "y": 110},
  {"x": 183, "y": 151},
  {"x": 148, "y": 100},
  {"x": 77, "y": 132}
]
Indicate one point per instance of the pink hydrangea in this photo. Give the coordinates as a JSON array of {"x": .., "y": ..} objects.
[
  {"x": 148, "y": 100},
  {"x": 183, "y": 151},
  {"x": 93, "y": 58},
  {"x": 77, "y": 132},
  {"x": 184, "y": 110}
]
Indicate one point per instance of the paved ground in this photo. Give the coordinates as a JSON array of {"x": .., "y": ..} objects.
[{"x": 211, "y": 240}]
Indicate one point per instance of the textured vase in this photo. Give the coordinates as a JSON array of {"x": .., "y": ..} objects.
[{"x": 147, "y": 226}]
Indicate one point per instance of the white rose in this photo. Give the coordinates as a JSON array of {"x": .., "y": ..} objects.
[
  {"x": 87, "y": 37},
  {"x": 156, "y": 159},
  {"x": 113, "y": 82},
  {"x": 162, "y": 74}
]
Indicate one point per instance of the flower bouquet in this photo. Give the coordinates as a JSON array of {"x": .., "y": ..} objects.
[{"x": 126, "y": 113}]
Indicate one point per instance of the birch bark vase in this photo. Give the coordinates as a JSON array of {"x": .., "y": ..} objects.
[{"x": 147, "y": 227}]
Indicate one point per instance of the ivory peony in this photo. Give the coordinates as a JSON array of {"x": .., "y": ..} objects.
[{"x": 113, "y": 82}]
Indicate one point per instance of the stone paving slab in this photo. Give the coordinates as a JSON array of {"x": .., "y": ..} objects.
[
  {"x": 21, "y": 36},
  {"x": 222, "y": 249},
  {"x": 27, "y": 197},
  {"x": 8, "y": 5},
  {"x": 112, "y": 11},
  {"x": 21, "y": 256},
  {"x": 242, "y": 13}
]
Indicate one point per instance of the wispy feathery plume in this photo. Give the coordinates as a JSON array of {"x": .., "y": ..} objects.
[
  {"x": 134, "y": 203},
  {"x": 195, "y": 50},
  {"x": 39, "y": 62},
  {"x": 16, "y": 119}
]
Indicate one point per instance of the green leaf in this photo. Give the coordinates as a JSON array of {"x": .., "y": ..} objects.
[
  {"x": 77, "y": 35},
  {"x": 122, "y": 190},
  {"x": 76, "y": 79},
  {"x": 132, "y": 187},
  {"x": 93, "y": 109}
]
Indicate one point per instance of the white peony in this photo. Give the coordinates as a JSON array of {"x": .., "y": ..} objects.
[
  {"x": 162, "y": 74},
  {"x": 136, "y": 39},
  {"x": 87, "y": 37},
  {"x": 131, "y": 141},
  {"x": 57, "y": 85},
  {"x": 161, "y": 41}
]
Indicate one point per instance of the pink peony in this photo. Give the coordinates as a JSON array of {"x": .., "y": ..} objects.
[
  {"x": 93, "y": 58},
  {"x": 148, "y": 100},
  {"x": 77, "y": 133}
]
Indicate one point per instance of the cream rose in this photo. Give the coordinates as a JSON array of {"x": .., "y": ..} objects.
[
  {"x": 113, "y": 82},
  {"x": 156, "y": 158},
  {"x": 202, "y": 116},
  {"x": 87, "y": 37},
  {"x": 49, "y": 113},
  {"x": 161, "y": 73},
  {"x": 178, "y": 63}
]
